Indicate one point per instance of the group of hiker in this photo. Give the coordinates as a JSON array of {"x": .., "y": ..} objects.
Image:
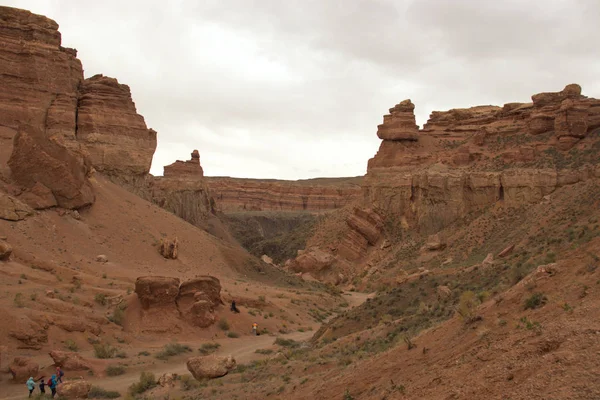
[
  {"x": 52, "y": 382},
  {"x": 234, "y": 309}
]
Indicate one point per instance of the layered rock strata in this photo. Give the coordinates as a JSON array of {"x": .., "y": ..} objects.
[
  {"x": 235, "y": 194},
  {"x": 57, "y": 127},
  {"x": 194, "y": 300}
]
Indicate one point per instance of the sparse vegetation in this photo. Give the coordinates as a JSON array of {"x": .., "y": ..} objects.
[
  {"x": 291, "y": 343},
  {"x": 147, "y": 381},
  {"x": 18, "y": 300},
  {"x": 223, "y": 324},
  {"x": 115, "y": 370},
  {"x": 100, "y": 298},
  {"x": 71, "y": 345},
  {"x": 264, "y": 351},
  {"x": 208, "y": 348},
  {"x": 172, "y": 349},
  {"x": 144, "y": 353},
  {"x": 189, "y": 383},
  {"x": 118, "y": 315},
  {"x": 104, "y": 351},
  {"x": 233, "y": 335},
  {"x": 100, "y": 393},
  {"x": 536, "y": 300}
]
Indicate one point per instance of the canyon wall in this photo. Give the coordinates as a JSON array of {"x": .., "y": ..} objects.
[
  {"x": 236, "y": 194},
  {"x": 57, "y": 127},
  {"x": 466, "y": 159},
  {"x": 462, "y": 162}
]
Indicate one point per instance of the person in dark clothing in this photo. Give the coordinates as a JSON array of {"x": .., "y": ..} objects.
[
  {"x": 233, "y": 307},
  {"x": 42, "y": 385},
  {"x": 52, "y": 384}
]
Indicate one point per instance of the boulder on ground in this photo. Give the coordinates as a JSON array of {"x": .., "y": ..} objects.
[
  {"x": 208, "y": 286},
  {"x": 210, "y": 366},
  {"x": 78, "y": 389},
  {"x": 31, "y": 334},
  {"x": 12, "y": 209},
  {"x": 101, "y": 258},
  {"x": 69, "y": 361},
  {"x": 22, "y": 368},
  {"x": 167, "y": 380},
  {"x": 39, "y": 197},
  {"x": 443, "y": 292},
  {"x": 435, "y": 243},
  {"x": 5, "y": 250},
  {"x": 156, "y": 290},
  {"x": 169, "y": 248},
  {"x": 506, "y": 251}
]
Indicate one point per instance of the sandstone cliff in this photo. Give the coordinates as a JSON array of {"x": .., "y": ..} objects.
[
  {"x": 55, "y": 125},
  {"x": 462, "y": 162},
  {"x": 235, "y": 194}
]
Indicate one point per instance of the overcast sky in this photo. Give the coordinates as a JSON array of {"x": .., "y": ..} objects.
[{"x": 295, "y": 89}]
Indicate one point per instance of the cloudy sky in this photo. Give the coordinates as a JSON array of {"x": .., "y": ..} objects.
[{"x": 295, "y": 89}]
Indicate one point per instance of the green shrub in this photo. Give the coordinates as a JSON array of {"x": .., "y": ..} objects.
[
  {"x": 466, "y": 305},
  {"x": 104, "y": 351},
  {"x": 189, "y": 383},
  {"x": 144, "y": 353},
  {"x": 208, "y": 348},
  {"x": 100, "y": 393},
  {"x": 535, "y": 301},
  {"x": 172, "y": 349},
  {"x": 118, "y": 316},
  {"x": 233, "y": 335},
  {"x": 100, "y": 298},
  {"x": 223, "y": 324},
  {"x": 291, "y": 343},
  {"x": 147, "y": 381},
  {"x": 71, "y": 345},
  {"x": 264, "y": 351},
  {"x": 18, "y": 300},
  {"x": 115, "y": 370}
]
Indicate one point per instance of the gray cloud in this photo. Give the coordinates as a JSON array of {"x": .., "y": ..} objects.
[{"x": 294, "y": 89}]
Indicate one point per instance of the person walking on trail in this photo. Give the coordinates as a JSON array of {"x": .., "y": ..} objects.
[
  {"x": 42, "y": 385},
  {"x": 233, "y": 307},
  {"x": 52, "y": 385},
  {"x": 30, "y": 385},
  {"x": 59, "y": 374},
  {"x": 254, "y": 328}
]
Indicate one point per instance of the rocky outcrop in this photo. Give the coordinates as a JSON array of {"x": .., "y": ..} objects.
[
  {"x": 194, "y": 301},
  {"x": 22, "y": 368},
  {"x": 183, "y": 191},
  {"x": 197, "y": 300},
  {"x": 210, "y": 367},
  {"x": 77, "y": 389},
  {"x": 236, "y": 194},
  {"x": 169, "y": 248},
  {"x": 366, "y": 227},
  {"x": 5, "y": 250},
  {"x": 108, "y": 126},
  {"x": 56, "y": 127},
  {"x": 12, "y": 209},
  {"x": 156, "y": 290},
  {"x": 400, "y": 124},
  {"x": 181, "y": 169},
  {"x": 448, "y": 171},
  {"x": 69, "y": 361},
  {"x": 30, "y": 334}
]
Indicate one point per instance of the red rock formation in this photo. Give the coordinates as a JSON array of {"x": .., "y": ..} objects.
[
  {"x": 180, "y": 169},
  {"x": 156, "y": 290},
  {"x": 52, "y": 120},
  {"x": 235, "y": 194},
  {"x": 108, "y": 125},
  {"x": 400, "y": 123}
]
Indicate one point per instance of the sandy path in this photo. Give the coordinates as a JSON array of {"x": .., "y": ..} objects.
[{"x": 243, "y": 349}]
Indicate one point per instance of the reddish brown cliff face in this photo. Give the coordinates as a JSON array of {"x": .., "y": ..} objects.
[
  {"x": 466, "y": 159},
  {"x": 54, "y": 125},
  {"x": 108, "y": 125},
  {"x": 235, "y": 194}
]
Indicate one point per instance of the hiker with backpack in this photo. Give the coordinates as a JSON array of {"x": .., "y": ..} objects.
[
  {"x": 52, "y": 385},
  {"x": 59, "y": 374}
]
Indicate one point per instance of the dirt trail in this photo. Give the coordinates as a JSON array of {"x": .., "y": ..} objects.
[{"x": 243, "y": 349}]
